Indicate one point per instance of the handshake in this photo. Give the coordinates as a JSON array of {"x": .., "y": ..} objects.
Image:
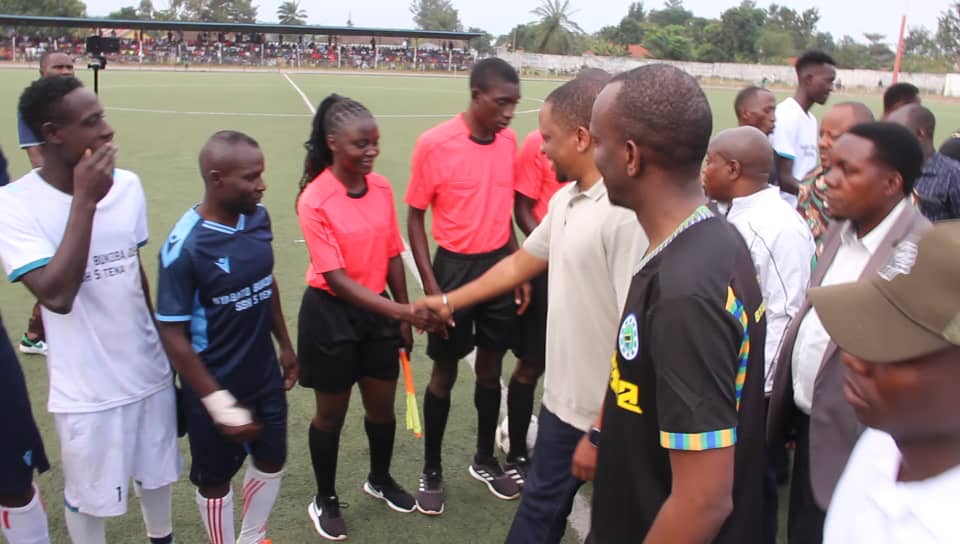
[{"x": 431, "y": 313}]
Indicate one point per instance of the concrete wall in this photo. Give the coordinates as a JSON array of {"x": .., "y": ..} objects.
[{"x": 751, "y": 73}]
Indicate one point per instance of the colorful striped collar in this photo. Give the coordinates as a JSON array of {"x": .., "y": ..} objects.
[{"x": 701, "y": 213}]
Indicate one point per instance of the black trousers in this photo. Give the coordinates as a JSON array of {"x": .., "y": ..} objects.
[{"x": 805, "y": 522}]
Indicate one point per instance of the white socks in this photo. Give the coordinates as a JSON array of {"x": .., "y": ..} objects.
[
  {"x": 85, "y": 529},
  {"x": 260, "y": 491},
  {"x": 26, "y": 524},
  {"x": 156, "y": 505},
  {"x": 217, "y": 516}
]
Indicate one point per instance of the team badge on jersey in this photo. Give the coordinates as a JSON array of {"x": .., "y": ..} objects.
[{"x": 629, "y": 338}]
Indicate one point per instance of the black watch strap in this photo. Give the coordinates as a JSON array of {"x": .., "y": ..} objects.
[{"x": 594, "y": 436}]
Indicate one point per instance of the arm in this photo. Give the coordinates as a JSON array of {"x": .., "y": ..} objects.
[
  {"x": 702, "y": 489},
  {"x": 788, "y": 183},
  {"x": 523, "y": 212},
  {"x": 353, "y": 292},
  {"x": 234, "y": 421},
  {"x": 421, "y": 250},
  {"x": 56, "y": 284},
  {"x": 584, "y": 465},
  {"x": 397, "y": 281},
  {"x": 288, "y": 357}
]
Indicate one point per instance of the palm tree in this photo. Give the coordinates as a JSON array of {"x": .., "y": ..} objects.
[
  {"x": 556, "y": 32},
  {"x": 290, "y": 13}
]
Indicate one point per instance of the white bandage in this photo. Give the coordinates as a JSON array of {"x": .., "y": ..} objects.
[{"x": 224, "y": 410}]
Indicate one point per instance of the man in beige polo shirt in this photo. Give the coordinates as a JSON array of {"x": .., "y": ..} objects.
[{"x": 592, "y": 249}]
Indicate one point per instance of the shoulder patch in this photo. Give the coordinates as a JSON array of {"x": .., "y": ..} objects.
[{"x": 174, "y": 244}]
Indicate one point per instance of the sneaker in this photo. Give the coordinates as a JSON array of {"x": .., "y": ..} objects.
[
  {"x": 517, "y": 470},
  {"x": 490, "y": 473},
  {"x": 392, "y": 494},
  {"x": 430, "y": 495},
  {"x": 326, "y": 518},
  {"x": 32, "y": 347}
]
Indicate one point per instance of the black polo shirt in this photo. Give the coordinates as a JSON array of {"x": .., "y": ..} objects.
[{"x": 688, "y": 374}]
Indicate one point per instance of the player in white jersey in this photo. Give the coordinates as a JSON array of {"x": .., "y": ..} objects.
[{"x": 72, "y": 233}]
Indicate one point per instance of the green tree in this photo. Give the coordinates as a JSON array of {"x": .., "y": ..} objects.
[
  {"x": 850, "y": 54},
  {"x": 948, "y": 31},
  {"x": 220, "y": 11},
  {"x": 435, "y": 15},
  {"x": 128, "y": 12},
  {"x": 881, "y": 56},
  {"x": 774, "y": 45},
  {"x": 741, "y": 30},
  {"x": 483, "y": 44},
  {"x": 801, "y": 27},
  {"x": 673, "y": 14},
  {"x": 669, "y": 42},
  {"x": 556, "y": 32},
  {"x": 145, "y": 10},
  {"x": 607, "y": 48},
  {"x": 919, "y": 41},
  {"x": 290, "y": 13},
  {"x": 521, "y": 38}
]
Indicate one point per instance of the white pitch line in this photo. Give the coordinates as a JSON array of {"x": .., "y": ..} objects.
[
  {"x": 303, "y": 95},
  {"x": 579, "y": 517},
  {"x": 228, "y": 113}
]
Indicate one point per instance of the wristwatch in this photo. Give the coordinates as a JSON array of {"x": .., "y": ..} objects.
[{"x": 594, "y": 436}]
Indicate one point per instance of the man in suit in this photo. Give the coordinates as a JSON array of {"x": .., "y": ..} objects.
[{"x": 874, "y": 168}]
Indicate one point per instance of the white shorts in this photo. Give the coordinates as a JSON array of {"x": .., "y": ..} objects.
[{"x": 102, "y": 451}]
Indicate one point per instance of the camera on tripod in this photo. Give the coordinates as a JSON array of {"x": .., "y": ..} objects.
[{"x": 98, "y": 47}]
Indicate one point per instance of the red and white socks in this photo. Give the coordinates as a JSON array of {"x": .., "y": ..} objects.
[
  {"x": 26, "y": 524},
  {"x": 260, "y": 492}
]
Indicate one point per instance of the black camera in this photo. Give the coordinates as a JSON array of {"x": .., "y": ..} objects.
[{"x": 98, "y": 45}]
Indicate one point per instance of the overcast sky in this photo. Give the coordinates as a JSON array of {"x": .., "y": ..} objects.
[{"x": 839, "y": 17}]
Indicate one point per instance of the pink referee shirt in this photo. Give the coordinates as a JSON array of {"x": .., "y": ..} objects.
[
  {"x": 535, "y": 177},
  {"x": 469, "y": 186},
  {"x": 356, "y": 233}
]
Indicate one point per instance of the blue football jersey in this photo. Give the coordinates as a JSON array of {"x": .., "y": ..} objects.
[{"x": 220, "y": 280}]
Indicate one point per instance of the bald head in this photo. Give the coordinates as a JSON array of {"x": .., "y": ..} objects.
[
  {"x": 748, "y": 146},
  {"x": 738, "y": 163},
  {"x": 838, "y": 120},
  {"x": 55, "y": 63},
  {"x": 224, "y": 151},
  {"x": 918, "y": 119}
]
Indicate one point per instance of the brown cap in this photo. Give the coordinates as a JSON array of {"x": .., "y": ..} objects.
[{"x": 910, "y": 309}]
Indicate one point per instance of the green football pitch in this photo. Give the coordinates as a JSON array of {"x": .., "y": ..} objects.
[{"x": 161, "y": 120}]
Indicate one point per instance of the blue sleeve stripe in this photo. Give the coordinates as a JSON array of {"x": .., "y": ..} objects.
[
  {"x": 173, "y": 318},
  {"x": 18, "y": 273},
  {"x": 143, "y": 243},
  {"x": 786, "y": 155}
]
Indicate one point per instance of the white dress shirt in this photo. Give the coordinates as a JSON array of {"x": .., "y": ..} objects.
[
  {"x": 782, "y": 249},
  {"x": 847, "y": 266},
  {"x": 871, "y": 506}
]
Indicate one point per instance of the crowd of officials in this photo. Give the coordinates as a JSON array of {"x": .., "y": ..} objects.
[{"x": 709, "y": 316}]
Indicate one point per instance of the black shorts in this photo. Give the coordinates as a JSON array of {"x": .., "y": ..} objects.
[
  {"x": 215, "y": 458},
  {"x": 338, "y": 343},
  {"x": 530, "y": 342},
  {"x": 488, "y": 325}
]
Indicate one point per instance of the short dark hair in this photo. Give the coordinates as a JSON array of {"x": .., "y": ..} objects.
[
  {"x": 951, "y": 148},
  {"x": 334, "y": 111},
  {"x": 899, "y": 93},
  {"x": 572, "y": 102},
  {"x": 40, "y": 102},
  {"x": 664, "y": 108},
  {"x": 813, "y": 58},
  {"x": 233, "y": 137},
  {"x": 46, "y": 55},
  {"x": 896, "y": 147},
  {"x": 921, "y": 118},
  {"x": 744, "y": 95},
  {"x": 487, "y": 71}
]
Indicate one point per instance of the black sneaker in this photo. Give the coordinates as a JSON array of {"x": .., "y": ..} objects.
[
  {"x": 489, "y": 472},
  {"x": 430, "y": 494},
  {"x": 391, "y": 493},
  {"x": 326, "y": 518},
  {"x": 517, "y": 469}
]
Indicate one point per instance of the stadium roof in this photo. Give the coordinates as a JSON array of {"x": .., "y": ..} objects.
[{"x": 259, "y": 28}]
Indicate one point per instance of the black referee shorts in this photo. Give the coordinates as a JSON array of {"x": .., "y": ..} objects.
[
  {"x": 530, "y": 340},
  {"x": 488, "y": 325},
  {"x": 338, "y": 343}
]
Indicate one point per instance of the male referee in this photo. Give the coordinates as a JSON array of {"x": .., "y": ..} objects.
[
  {"x": 217, "y": 303},
  {"x": 463, "y": 170}
]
